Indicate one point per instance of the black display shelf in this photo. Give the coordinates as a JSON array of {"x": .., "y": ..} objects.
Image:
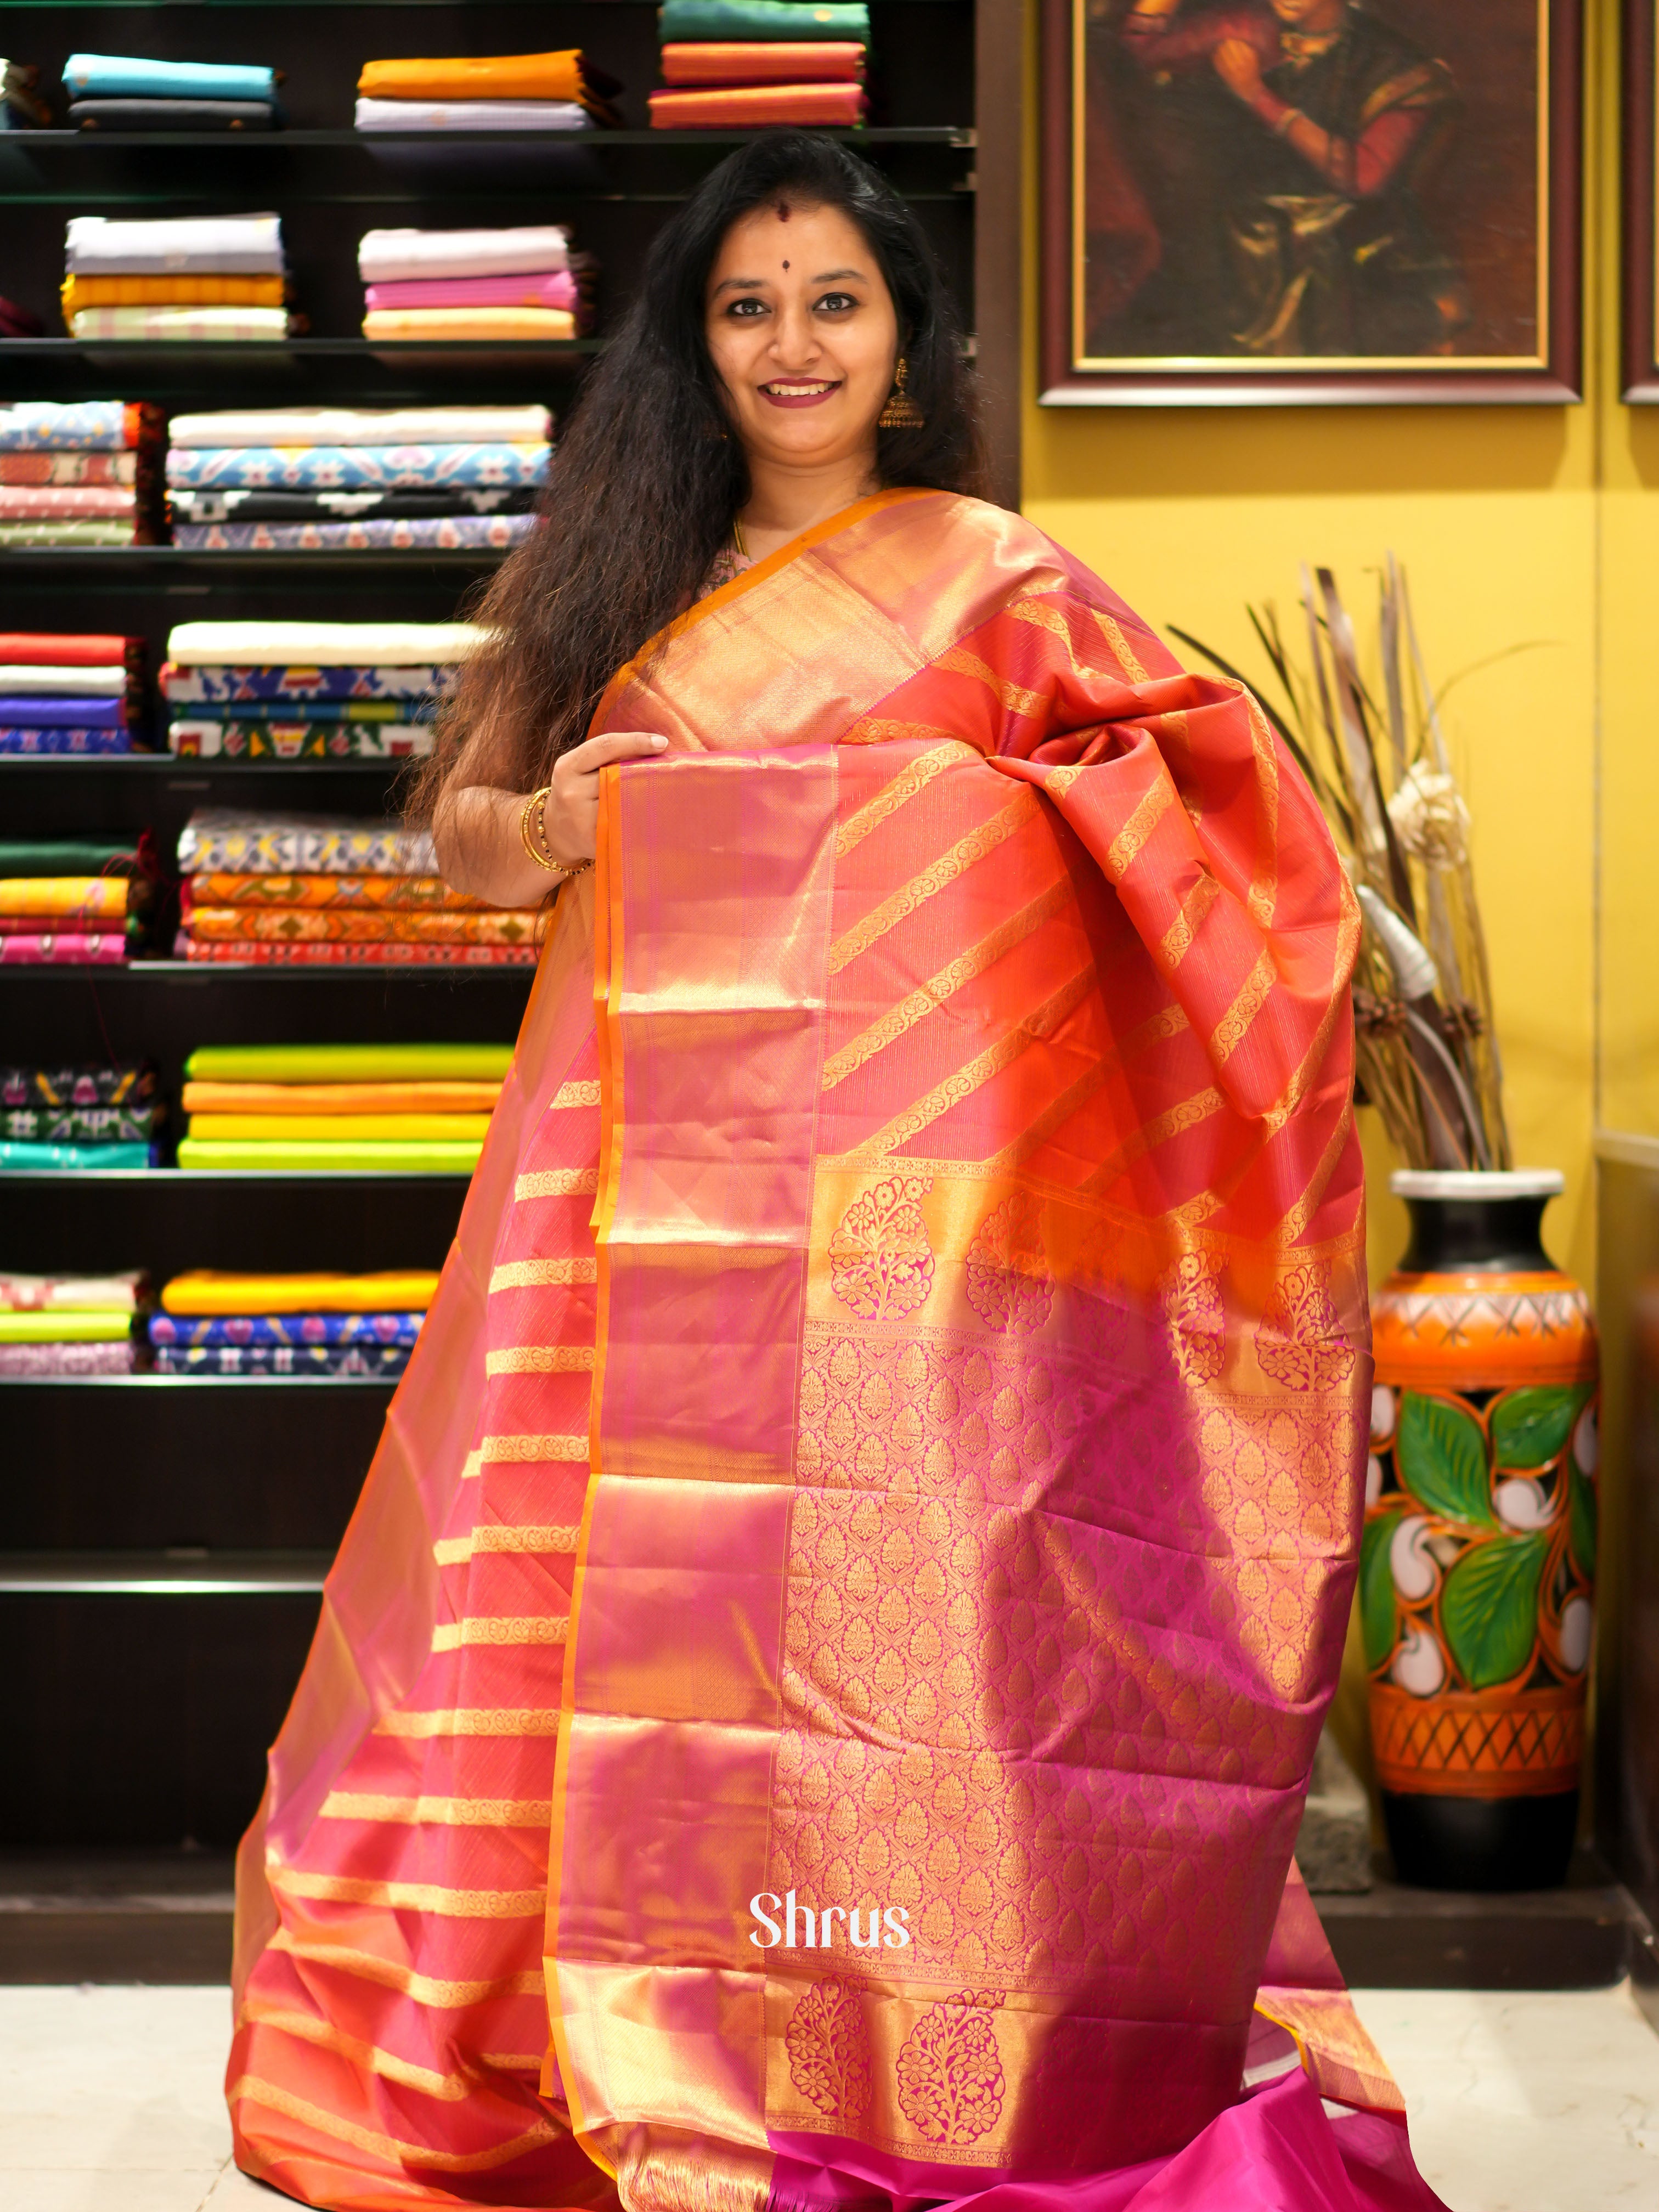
[
  {"x": 955, "y": 135},
  {"x": 385, "y": 1385}
]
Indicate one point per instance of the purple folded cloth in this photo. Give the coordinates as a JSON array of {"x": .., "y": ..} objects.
[
  {"x": 556, "y": 289},
  {"x": 71, "y": 714},
  {"x": 118, "y": 1359}
]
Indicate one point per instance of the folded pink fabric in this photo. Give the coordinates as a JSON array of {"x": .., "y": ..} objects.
[
  {"x": 556, "y": 288},
  {"x": 58, "y": 949}
]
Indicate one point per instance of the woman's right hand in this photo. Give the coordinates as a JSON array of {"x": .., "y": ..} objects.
[{"x": 479, "y": 829}]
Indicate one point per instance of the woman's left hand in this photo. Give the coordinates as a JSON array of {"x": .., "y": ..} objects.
[{"x": 1238, "y": 65}]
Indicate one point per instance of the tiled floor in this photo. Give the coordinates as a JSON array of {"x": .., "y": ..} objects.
[{"x": 110, "y": 2102}]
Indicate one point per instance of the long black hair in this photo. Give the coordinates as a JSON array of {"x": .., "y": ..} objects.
[{"x": 647, "y": 479}]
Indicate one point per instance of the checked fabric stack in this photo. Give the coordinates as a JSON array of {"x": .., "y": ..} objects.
[
  {"x": 557, "y": 92},
  {"x": 221, "y": 1324},
  {"x": 70, "y": 1324},
  {"x": 117, "y": 92},
  {"x": 203, "y": 278},
  {"x": 326, "y": 479},
  {"x": 739, "y": 64},
  {"x": 80, "y": 1117},
  {"x": 81, "y": 472},
  {"x": 70, "y": 903},
  {"x": 449, "y": 284},
  {"x": 397, "y": 1109},
  {"x": 70, "y": 693},
  {"x": 279, "y": 690},
  {"x": 300, "y": 890}
]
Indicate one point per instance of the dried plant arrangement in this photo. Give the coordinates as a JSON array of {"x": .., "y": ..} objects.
[{"x": 1427, "y": 1056}]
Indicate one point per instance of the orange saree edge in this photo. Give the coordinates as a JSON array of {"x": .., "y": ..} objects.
[
  {"x": 607, "y": 953},
  {"x": 735, "y": 586}
]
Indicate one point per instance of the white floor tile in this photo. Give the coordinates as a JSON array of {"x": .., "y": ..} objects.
[
  {"x": 113, "y": 2080},
  {"x": 1526, "y": 2101}
]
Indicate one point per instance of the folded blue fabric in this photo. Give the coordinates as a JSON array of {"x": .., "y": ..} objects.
[
  {"x": 37, "y": 714},
  {"x": 346, "y": 468},
  {"x": 384, "y": 1361},
  {"x": 76, "y": 1156},
  {"x": 334, "y": 1328},
  {"x": 13, "y": 740},
  {"x": 44, "y": 425},
  {"x": 104, "y": 76}
]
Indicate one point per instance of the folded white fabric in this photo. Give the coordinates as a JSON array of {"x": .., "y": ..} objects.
[
  {"x": 26, "y": 679},
  {"x": 201, "y": 323},
  {"x": 362, "y": 426},
  {"x": 472, "y": 115},
  {"x": 321, "y": 645},
  {"x": 70, "y": 1293},
  {"x": 385, "y": 257},
  {"x": 206, "y": 245}
]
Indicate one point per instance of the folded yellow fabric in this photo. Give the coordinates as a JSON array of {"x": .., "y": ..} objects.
[
  {"x": 348, "y": 1063},
  {"x": 334, "y": 1156},
  {"x": 354, "y": 1098},
  {"x": 477, "y": 77},
  {"x": 64, "y": 1327},
  {"x": 80, "y": 292},
  {"x": 353, "y": 1129},
  {"x": 546, "y": 323},
  {"x": 96, "y": 898},
  {"x": 210, "y": 1290}
]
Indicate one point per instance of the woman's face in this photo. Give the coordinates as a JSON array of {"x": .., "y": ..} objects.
[{"x": 802, "y": 333}]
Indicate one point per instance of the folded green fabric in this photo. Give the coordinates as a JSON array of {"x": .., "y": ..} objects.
[
  {"x": 58, "y": 856},
  {"x": 73, "y": 1156},
  {"x": 64, "y": 1327},
  {"x": 348, "y": 1063},
  {"x": 387, "y": 1156},
  {"x": 693, "y": 21}
]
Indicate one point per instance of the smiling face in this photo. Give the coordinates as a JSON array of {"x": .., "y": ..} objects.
[{"x": 802, "y": 333}]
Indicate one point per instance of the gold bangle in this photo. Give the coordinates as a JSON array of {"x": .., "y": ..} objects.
[{"x": 532, "y": 853}]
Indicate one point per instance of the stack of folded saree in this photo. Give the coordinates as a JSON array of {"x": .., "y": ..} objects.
[
  {"x": 70, "y": 693},
  {"x": 70, "y": 902},
  {"x": 203, "y": 278},
  {"x": 80, "y": 1117},
  {"x": 321, "y": 1324},
  {"x": 446, "y": 284},
  {"x": 21, "y": 108},
  {"x": 486, "y": 92},
  {"x": 740, "y": 64},
  {"x": 310, "y": 891},
  {"x": 118, "y": 92},
  {"x": 398, "y": 1108},
  {"x": 70, "y": 1324},
  {"x": 80, "y": 472},
  {"x": 322, "y": 478},
  {"x": 281, "y": 690}
]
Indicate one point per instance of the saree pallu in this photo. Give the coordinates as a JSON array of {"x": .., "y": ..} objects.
[{"x": 835, "y": 1634}]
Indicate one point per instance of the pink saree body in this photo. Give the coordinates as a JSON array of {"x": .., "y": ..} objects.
[{"x": 815, "y": 1703}]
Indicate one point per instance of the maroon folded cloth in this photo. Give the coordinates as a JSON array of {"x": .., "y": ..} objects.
[{"x": 18, "y": 322}]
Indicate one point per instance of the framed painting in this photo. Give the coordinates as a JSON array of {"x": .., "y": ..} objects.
[
  {"x": 1313, "y": 201},
  {"x": 1641, "y": 209}
]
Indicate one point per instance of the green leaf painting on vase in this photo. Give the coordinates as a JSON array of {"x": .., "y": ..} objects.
[
  {"x": 1581, "y": 1524},
  {"x": 1530, "y": 1427},
  {"x": 1441, "y": 1453},
  {"x": 1489, "y": 1608},
  {"x": 1376, "y": 1610}
]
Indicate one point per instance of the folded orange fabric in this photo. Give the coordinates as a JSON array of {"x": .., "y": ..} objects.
[
  {"x": 88, "y": 898},
  {"x": 453, "y": 1097},
  {"x": 549, "y": 323},
  {"x": 747, "y": 107},
  {"x": 760, "y": 61},
  {"x": 477, "y": 77},
  {"x": 206, "y": 1290},
  {"x": 79, "y": 292},
  {"x": 357, "y": 926},
  {"x": 225, "y": 888}
]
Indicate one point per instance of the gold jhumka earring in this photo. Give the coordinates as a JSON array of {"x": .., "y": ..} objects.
[{"x": 900, "y": 412}]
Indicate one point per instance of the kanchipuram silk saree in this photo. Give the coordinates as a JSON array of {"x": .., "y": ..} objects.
[{"x": 815, "y": 1703}]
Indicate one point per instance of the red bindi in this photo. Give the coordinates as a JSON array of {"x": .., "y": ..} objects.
[
  {"x": 785, "y": 264},
  {"x": 783, "y": 210}
]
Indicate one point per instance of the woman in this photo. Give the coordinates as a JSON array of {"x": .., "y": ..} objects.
[{"x": 815, "y": 1702}]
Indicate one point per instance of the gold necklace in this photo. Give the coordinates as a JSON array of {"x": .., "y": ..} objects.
[{"x": 737, "y": 538}]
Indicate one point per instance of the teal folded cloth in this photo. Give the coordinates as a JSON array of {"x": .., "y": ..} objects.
[
  {"x": 695, "y": 20},
  {"x": 76, "y": 1156},
  {"x": 103, "y": 75}
]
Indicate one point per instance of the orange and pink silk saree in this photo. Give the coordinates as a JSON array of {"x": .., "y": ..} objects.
[{"x": 814, "y": 1704}]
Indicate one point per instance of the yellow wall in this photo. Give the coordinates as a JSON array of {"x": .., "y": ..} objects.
[{"x": 1522, "y": 526}]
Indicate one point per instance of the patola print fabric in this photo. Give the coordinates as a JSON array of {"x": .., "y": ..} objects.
[{"x": 816, "y": 1702}]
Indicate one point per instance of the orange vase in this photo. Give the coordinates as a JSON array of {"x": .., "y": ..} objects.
[{"x": 1477, "y": 1569}]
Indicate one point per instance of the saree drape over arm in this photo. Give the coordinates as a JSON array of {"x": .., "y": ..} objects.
[{"x": 839, "y": 1620}]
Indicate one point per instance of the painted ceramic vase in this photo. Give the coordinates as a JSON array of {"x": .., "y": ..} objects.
[{"x": 1478, "y": 1564}]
